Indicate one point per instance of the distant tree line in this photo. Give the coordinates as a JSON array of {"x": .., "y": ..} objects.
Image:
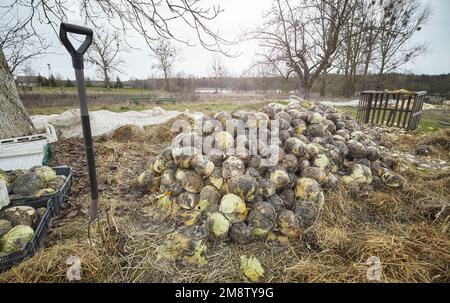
[
  {"x": 57, "y": 81},
  {"x": 53, "y": 81},
  {"x": 336, "y": 84}
]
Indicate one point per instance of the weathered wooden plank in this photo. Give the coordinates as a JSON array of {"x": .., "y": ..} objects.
[
  {"x": 385, "y": 108},
  {"x": 417, "y": 113},
  {"x": 420, "y": 101},
  {"x": 412, "y": 119},
  {"x": 401, "y": 111},
  {"x": 367, "y": 113},
  {"x": 380, "y": 107},
  {"x": 408, "y": 111},
  {"x": 393, "y": 112},
  {"x": 358, "y": 112},
  {"x": 373, "y": 109}
]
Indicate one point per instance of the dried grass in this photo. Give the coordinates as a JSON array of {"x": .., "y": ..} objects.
[
  {"x": 408, "y": 252},
  {"x": 331, "y": 237},
  {"x": 439, "y": 140},
  {"x": 128, "y": 133}
]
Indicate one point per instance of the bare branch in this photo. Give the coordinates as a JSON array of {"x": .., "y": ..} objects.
[
  {"x": 166, "y": 55},
  {"x": 151, "y": 19},
  {"x": 105, "y": 54}
]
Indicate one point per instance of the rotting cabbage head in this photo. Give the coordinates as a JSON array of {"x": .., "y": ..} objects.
[
  {"x": 315, "y": 173},
  {"x": 321, "y": 161},
  {"x": 202, "y": 165},
  {"x": 251, "y": 268},
  {"x": 308, "y": 189},
  {"x": 14, "y": 240},
  {"x": 190, "y": 180},
  {"x": 233, "y": 167},
  {"x": 27, "y": 184},
  {"x": 279, "y": 176},
  {"x": 209, "y": 199},
  {"x": 233, "y": 208},
  {"x": 288, "y": 223},
  {"x": 262, "y": 219},
  {"x": 216, "y": 178},
  {"x": 266, "y": 187},
  {"x": 46, "y": 173},
  {"x": 356, "y": 149},
  {"x": 149, "y": 181},
  {"x": 240, "y": 233},
  {"x": 217, "y": 226},
  {"x": 295, "y": 146},
  {"x": 244, "y": 186},
  {"x": 187, "y": 200},
  {"x": 392, "y": 180},
  {"x": 361, "y": 174}
]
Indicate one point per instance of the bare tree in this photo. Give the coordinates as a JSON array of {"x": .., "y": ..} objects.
[
  {"x": 151, "y": 19},
  {"x": 19, "y": 42},
  {"x": 27, "y": 70},
  {"x": 304, "y": 35},
  {"x": 104, "y": 53},
  {"x": 219, "y": 72},
  {"x": 355, "y": 48},
  {"x": 263, "y": 75},
  {"x": 377, "y": 37},
  {"x": 370, "y": 27},
  {"x": 166, "y": 55},
  {"x": 400, "y": 20}
]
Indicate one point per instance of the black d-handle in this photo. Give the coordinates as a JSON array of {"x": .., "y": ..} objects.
[{"x": 77, "y": 54}]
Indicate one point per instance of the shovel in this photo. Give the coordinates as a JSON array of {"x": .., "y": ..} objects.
[{"x": 77, "y": 62}]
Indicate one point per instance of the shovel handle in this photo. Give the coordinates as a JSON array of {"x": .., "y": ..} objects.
[{"x": 77, "y": 54}]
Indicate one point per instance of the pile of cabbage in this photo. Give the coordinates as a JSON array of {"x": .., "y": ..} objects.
[
  {"x": 236, "y": 198},
  {"x": 32, "y": 183},
  {"x": 17, "y": 226}
]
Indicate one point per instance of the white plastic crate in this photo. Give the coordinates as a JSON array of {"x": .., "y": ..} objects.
[{"x": 25, "y": 152}]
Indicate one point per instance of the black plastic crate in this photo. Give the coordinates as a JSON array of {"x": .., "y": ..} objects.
[
  {"x": 8, "y": 261},
  {"x": 59, "y": 197}
]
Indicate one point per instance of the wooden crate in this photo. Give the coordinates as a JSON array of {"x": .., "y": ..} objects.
[{"x": 391, "y": 108}]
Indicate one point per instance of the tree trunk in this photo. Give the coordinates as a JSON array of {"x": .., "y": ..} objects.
[
  {"x": 381, "y": 75},
  {"x": 14, "y": 119},
  {"x": 367, "y": 63},
  {"x": 323, "y": 84},
  {"x": 106, "y": 77},
  {"x": 166, "y": 78},
  {"x": 306, "y": 87},
  {"x": 349, "y": 86}
]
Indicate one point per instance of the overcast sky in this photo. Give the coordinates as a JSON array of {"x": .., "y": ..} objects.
[{"x": 239, "y": 15}]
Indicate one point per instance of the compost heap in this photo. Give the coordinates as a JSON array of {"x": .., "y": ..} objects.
[{"x": 235, "y": 198}]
